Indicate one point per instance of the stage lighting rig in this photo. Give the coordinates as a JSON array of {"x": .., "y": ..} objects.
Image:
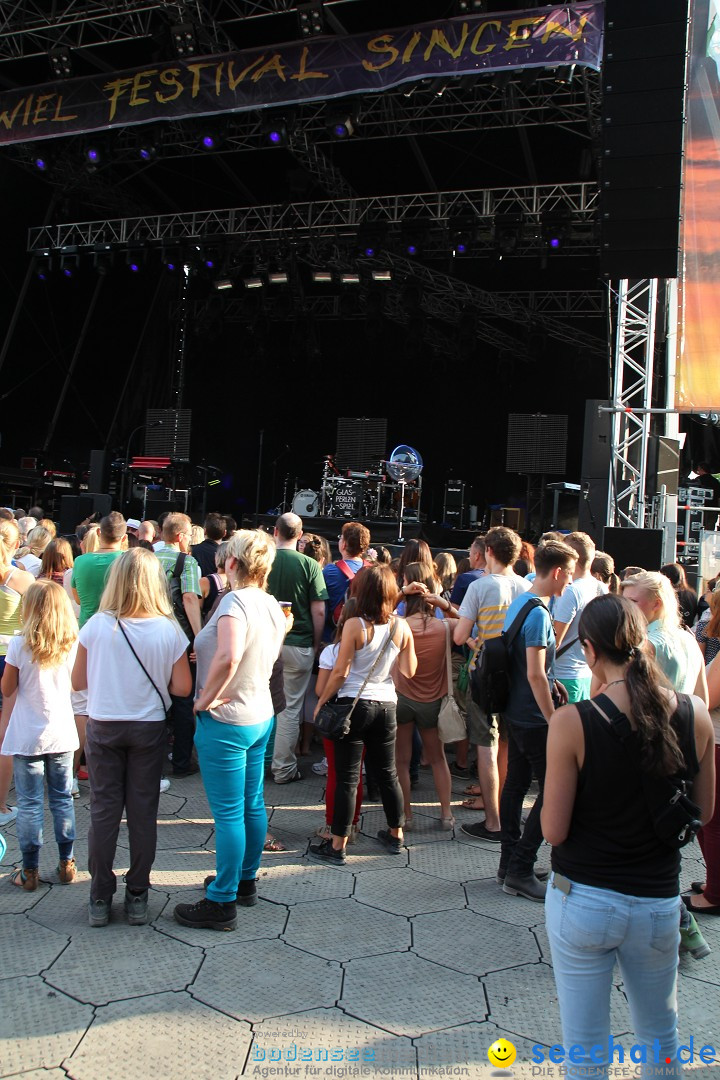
[
  {"x": 276, "y": 131},
  {"x": 341, "y": 120},
  {"x": 60, "y": 62},
  {"x": 311, "y": 19},
  {"x": 470, "y": 7},
  {"x": 184, "y": 39}
]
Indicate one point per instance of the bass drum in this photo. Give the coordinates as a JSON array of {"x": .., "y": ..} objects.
[{"x": 305, "y": 503}]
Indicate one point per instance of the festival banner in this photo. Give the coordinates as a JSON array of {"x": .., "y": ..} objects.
[
  {"x": 318, "y": 69},
  {"x": 697, "y": 386}
]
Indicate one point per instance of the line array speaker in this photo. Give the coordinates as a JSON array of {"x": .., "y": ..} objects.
[
  {"x": 643, "y": 86},
  {"x": 361, "y": 442},
  {"x": 536, "y": 444}
]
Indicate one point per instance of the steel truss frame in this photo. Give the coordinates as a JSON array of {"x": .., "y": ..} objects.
[
  {"x": 333, "y": 219},
  {"x": 27, "y": 29},
  {"x": 637, "y": 314}
]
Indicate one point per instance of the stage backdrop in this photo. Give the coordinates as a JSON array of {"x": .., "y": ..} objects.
[
  {"x": 324, "y": 68},
  {"x": 698, "y": 376}
]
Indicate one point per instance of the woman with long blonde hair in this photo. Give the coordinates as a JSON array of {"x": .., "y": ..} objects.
[
  {"x": 41, "y": 736},
  {"x": 131, "y": 656},
  {"x": 14, "y": 582},
  {"x": 236, "y": 651},
  {"x": 30, "y": 554}
]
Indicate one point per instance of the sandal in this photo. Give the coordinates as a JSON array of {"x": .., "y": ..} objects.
[
  {"x": 473, "y": 789},
  {"x": 271, "y": 844},
  {"x": 447, "y": 823},
  {"x": 473, "y": 804},
  {"x": 25, "y": 879},
  {"x": 324, "y": 832}
]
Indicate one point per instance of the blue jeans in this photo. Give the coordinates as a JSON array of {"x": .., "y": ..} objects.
[
  {"x": 30, "y": 774},
  {"x": 589, "y": 930},
  {"x": 232, "y": 763}
]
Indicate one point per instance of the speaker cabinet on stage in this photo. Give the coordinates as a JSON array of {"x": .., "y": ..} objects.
[
  {"x": 99, "y": 476},
  {"x": 643, "y": 89},
  {"x": 454, "y": 508},
  {"x": 634, "y": 547},
  {"x": 663, "y": 465},
  {"x": 75, "y": 508},
  {"x": 595, "y": 472}
]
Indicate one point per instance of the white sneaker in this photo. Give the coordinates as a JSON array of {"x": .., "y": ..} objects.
[
  {"x": 164, "y": 785},
  {"x": 75, "y": 789},
  {"x": 321, "y": 767},
  {"x": 7, "y": 816}
]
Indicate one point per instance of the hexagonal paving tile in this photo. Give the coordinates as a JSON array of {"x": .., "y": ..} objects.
[
  {"x": 458, "y": 863},
  {"x": 458, "y": 939},
  {"x": 265, "y": 920},
  {"x": 27, "y": 949},
  {"x": 167, "y": 1034},
  {"x": 117, "y": 961},
  {"x": 14, "y": 900},
  {"x": 173, "y": 868},
  {"x": 39, "y": 1026},
  {"x": 348, "y": 929},
  {"x": 257, "y": 979},
  {"x": 297, "y": 820},
  {"x": 405, "y": 892},
  {"x": 294, "y": 883},
  {"x": 330, "y": 1039},
  {"x": 698, "y": 1008},
  {"x": 467, "y": 1046},
  {"x": 487, "y": 898},
  {"x": 64, "y": 908},
  {"x": 407, "y": 995}
]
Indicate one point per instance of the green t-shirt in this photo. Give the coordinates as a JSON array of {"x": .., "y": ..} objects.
[
  {"x": 88, "y": 579},
  {"x": 298, "y": 578}
]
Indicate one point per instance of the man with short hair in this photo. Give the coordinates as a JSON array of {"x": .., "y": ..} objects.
[
  {"x": 353, "y": 542},
  {"x": 296, "y": 578},
  {"x": 570, "y": 666},
  {"x": 179, "y": 565},
  {"x": 531, "y": 703},
  {"x": 88, "y": 581},
  {"x": 476, "y": 555},
  {"x": 206, "y": 550},
  {"x": 483, "y": 611},
  {"x": 149, "y": 531}
]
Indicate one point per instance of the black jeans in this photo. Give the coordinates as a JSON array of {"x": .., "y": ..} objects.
[
  {"x": 526, "y": 757},
  {"x": 373, "y": 726}
]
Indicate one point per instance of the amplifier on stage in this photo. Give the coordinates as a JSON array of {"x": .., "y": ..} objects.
[{"x": 454, "y": 507}]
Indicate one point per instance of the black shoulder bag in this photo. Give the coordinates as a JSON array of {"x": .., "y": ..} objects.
[
  {"x": 166, "y": 711},
  {"x": 490, "y": 678},
  {"x": 675, "y": 817}
]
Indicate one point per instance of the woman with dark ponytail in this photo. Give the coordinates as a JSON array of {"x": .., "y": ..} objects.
[{"x": 614, "y": 892}]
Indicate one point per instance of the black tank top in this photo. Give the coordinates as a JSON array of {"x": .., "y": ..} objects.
[{"x": 612, "y": 843}]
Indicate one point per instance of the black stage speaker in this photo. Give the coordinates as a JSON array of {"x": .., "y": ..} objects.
[
  {"x": 361, "y": 442},
  {"x": 75, "y": 508},
  {"x": 454, "y": 508},
  {"x": 536, "y": 444},
  {"x": 643, "y": 87},
  {"x": 595, "y": 472},
  {"x": 99, "y": 476},
  {"x": 663, "y": 465},
  {"x": 634, "y": 547}
]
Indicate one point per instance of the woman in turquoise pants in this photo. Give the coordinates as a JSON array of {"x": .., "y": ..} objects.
[{"x": 236, "y": 651}]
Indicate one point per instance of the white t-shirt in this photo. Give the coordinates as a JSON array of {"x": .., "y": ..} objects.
[
  {"x": 67, "y": 579},
  {"x": 31, "y": 563},
  {"x": 568, "y": 609},
  {"x": 118, "y": 688},
  {"x": 487, "y": 600},
  {"x": 261, "y": 627},
  {"x": 42, "y": 720}
]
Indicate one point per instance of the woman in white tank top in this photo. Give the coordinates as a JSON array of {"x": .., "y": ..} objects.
[{"x": 369, "y": 648}]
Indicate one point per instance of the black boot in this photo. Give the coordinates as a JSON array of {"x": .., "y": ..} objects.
[
  {"x": 246, "y": 894},
  {"x": 207, "y": 915}
]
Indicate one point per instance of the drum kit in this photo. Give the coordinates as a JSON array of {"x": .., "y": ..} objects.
[{"x": 386, "y": 491}]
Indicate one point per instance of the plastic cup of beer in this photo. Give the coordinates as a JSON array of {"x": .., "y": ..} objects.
[{"x": 286, "y": 606}]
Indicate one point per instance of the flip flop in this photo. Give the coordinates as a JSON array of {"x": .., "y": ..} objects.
[
  {"x": 473, "y": 789},
  {"x": 472, "y": 804},
  {"x": 271, "y": 844}
]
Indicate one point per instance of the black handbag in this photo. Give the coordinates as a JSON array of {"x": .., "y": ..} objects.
[
  {"x": 334, "y": 718},
  {"x": 675, "y": 817}
]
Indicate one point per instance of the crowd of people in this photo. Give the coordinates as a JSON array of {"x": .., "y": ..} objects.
[{"x": 224, "y": 646}]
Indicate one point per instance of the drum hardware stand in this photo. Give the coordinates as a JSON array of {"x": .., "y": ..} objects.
[
  {"x": 401, "y": 485},
  {"x": 286, "y": 483},
  {"x": 273, "y": 463}
]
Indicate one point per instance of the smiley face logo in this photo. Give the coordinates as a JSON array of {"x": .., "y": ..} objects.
[{"x": 502, "y": 1054}]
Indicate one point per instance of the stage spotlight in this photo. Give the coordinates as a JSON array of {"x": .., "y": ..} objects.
[
  {"x": 382, "y": 275},
  {"x": 222, "y": 284},
  {"x": 93, "y": 157},
  {"x": 470, "y": 7},
  {"x": 68, "y": 265},
  {"x": 311, "y": 20},
  {"x": 350, "y": 279},
  {"x": 507, "y": 233},
  {"x": 253, "y": 282},
  {"x": 103, "y": 260},
  {"x": 41, "y": 163},
  {"x": 564, "y": 75},
  {"x": 341, "y": 120},
  {"x": 211, "y": 139},
  {"x": 555, "y": 228},
  {"x": 463, "y": 237},
  {"x": 147, "y": 151},
  {"x": 276, "y": 131},
  {"x": 184, "y": 38},
  {"x": 278, "y": 278},
  {"x": 43, "y": 268},
  {"x": 60, "y": 62},
  {"x": 322, "y": 277}
]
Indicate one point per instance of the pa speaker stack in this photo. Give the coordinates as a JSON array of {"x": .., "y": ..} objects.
[{"x": 642, "y": 119}]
